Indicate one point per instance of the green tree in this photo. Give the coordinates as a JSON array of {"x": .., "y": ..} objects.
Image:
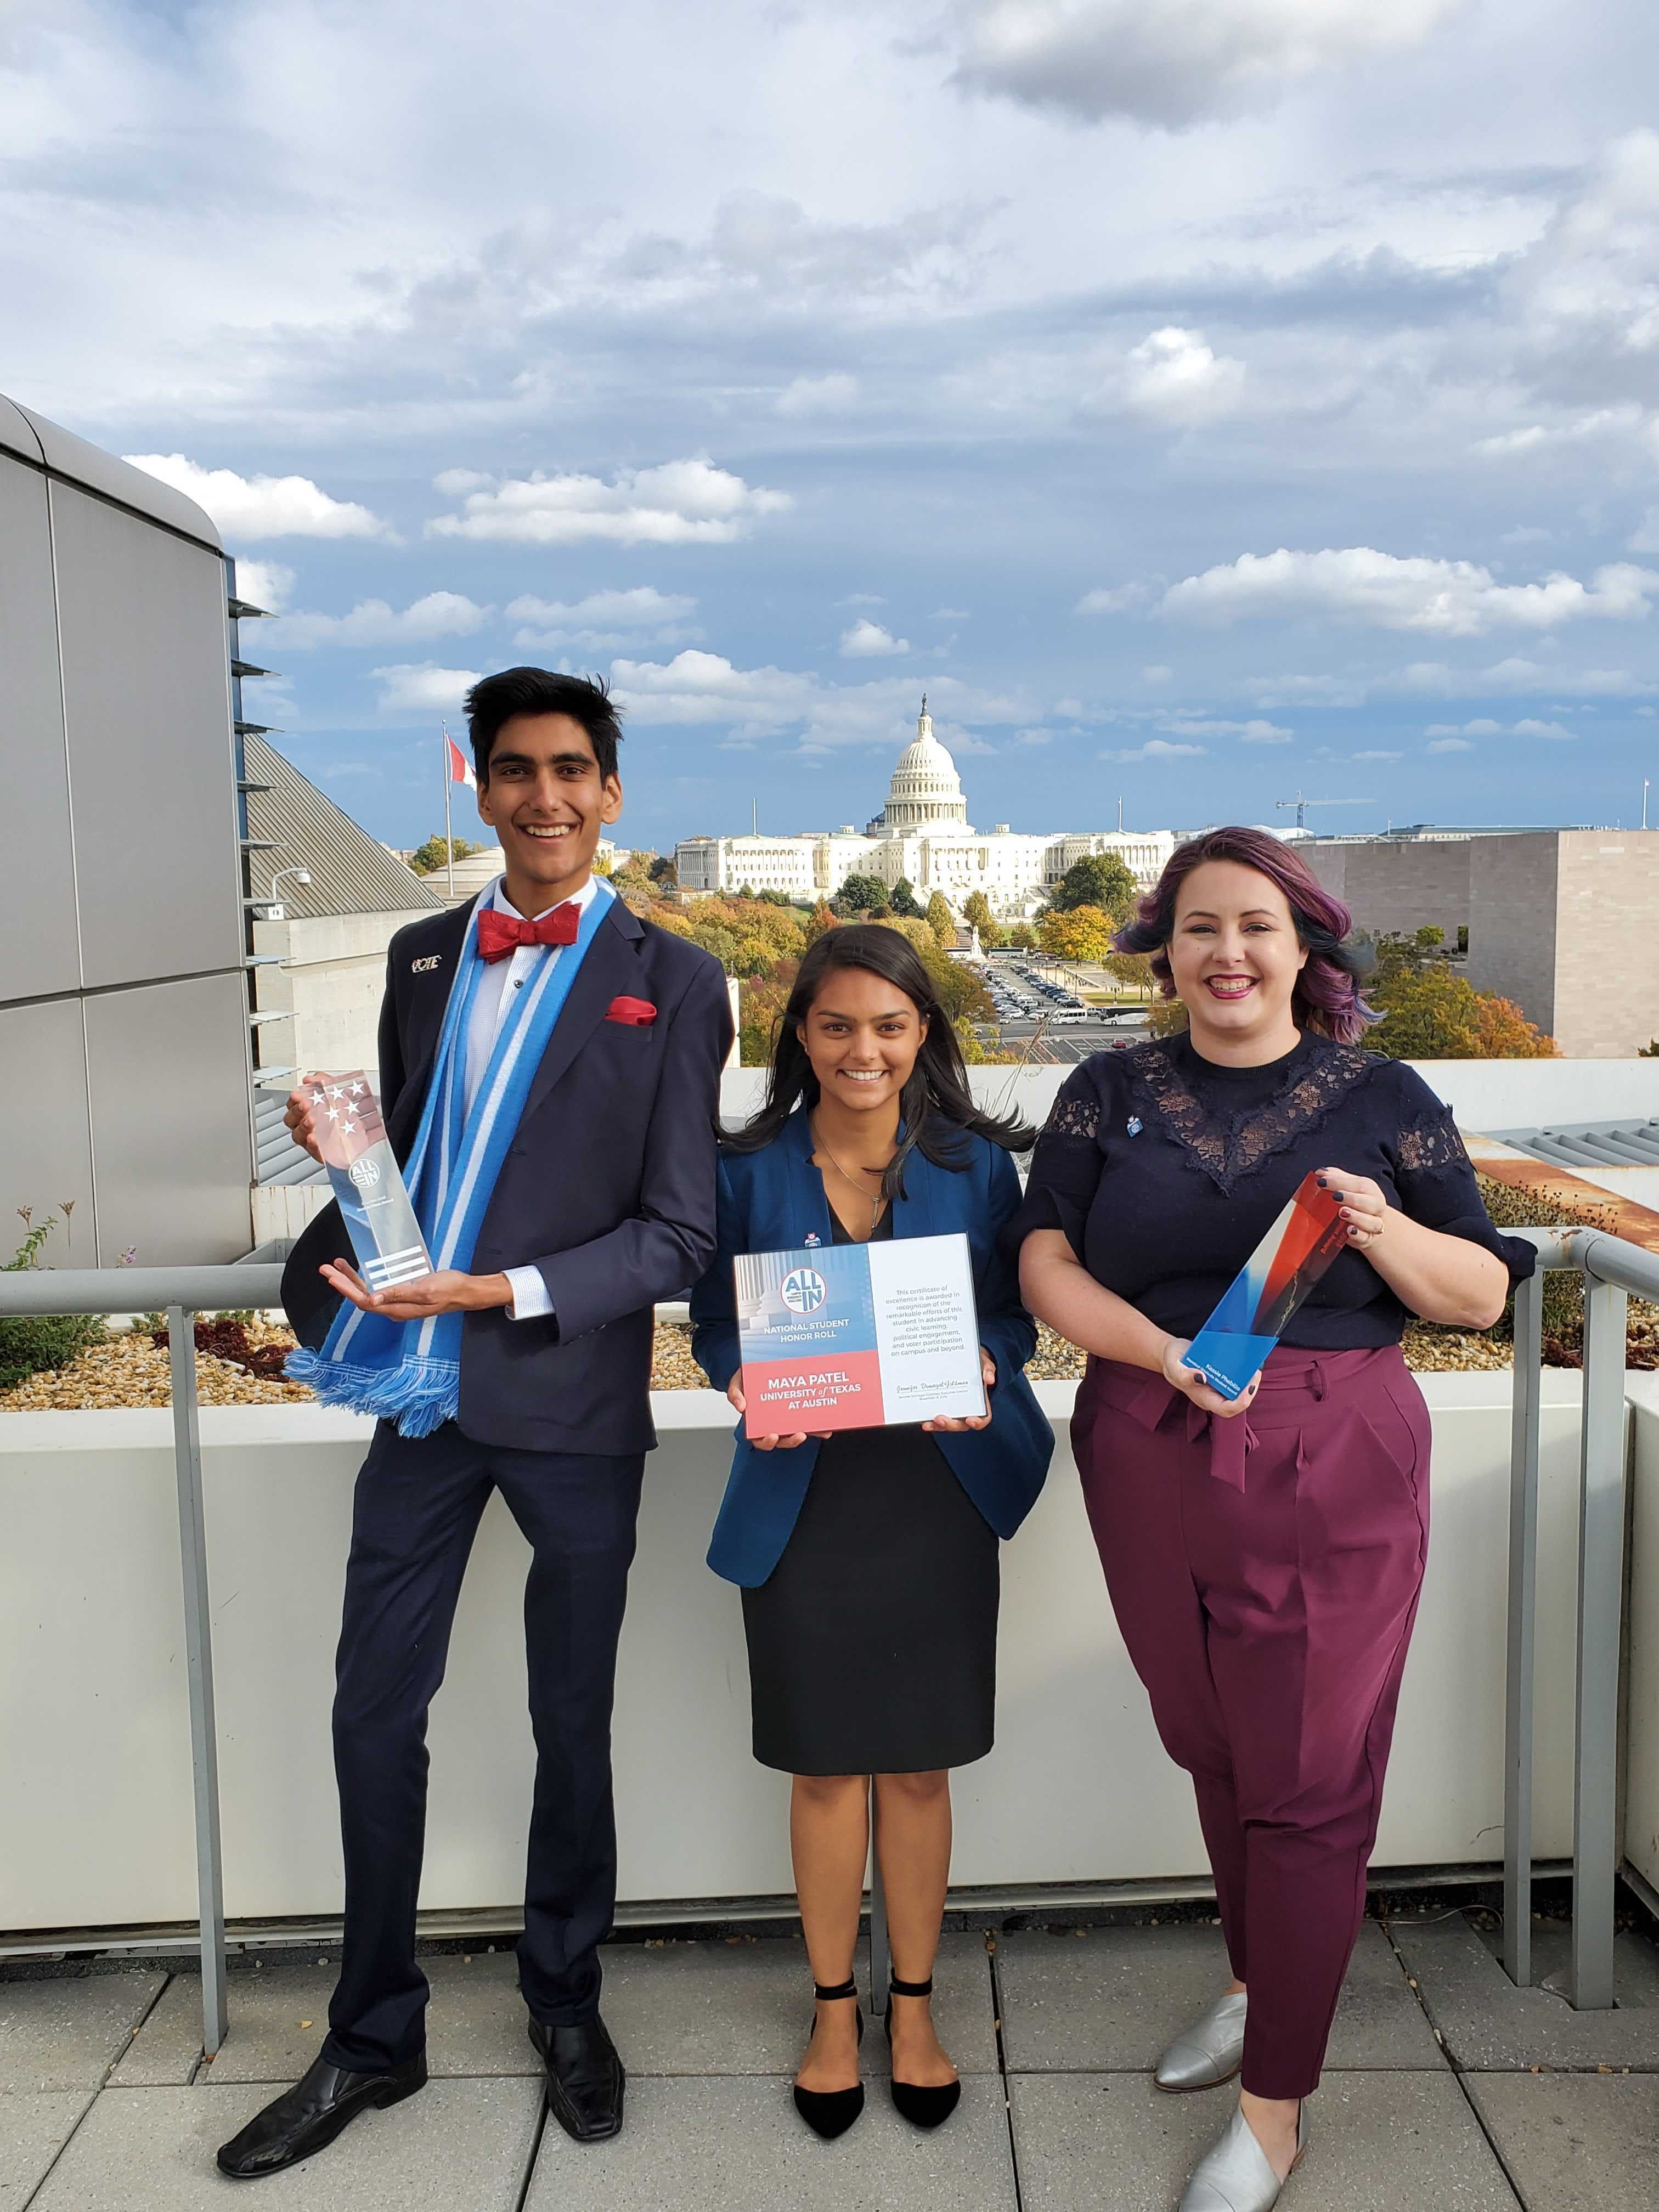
[
  {"x": 977, "y": 912},
  {"x": 434, "y": 854},
  {"x": 662, "y": 871},
  {"x": 941, "y": 921},
  {"x": 1098, "y": 879},
  {"x": 902, "y": 899},
  {"x": 859, "y": 894},
  {"x": 1022, "y": 938}
]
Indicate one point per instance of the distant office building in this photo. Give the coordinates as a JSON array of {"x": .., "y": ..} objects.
[
  {"x": 921, "y": 835},
  {"x": 1563, "y": 921}
]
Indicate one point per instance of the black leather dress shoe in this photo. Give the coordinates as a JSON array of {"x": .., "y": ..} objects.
[
  {"x": 584, "y": 2078},
  {"x": 311, "y": 2114}
]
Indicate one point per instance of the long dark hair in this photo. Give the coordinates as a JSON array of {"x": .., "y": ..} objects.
[
  {"x": 935, "y": 1105},
  {"x": 1327, "y": 997}
]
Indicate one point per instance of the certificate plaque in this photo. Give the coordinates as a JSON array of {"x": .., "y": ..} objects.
[
  {"x": 1233, "y": 1345},
  {"x": 367, "y": 1183},
  {"x": 859, "y": 1336}
]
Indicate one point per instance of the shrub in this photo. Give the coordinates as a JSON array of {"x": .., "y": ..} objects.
[{"x": 31, "y": 1344}]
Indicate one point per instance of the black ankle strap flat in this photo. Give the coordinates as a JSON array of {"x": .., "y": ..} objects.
[
  {"x": 849, "y": 1988},
  {"x": 898, "y": 1989}
]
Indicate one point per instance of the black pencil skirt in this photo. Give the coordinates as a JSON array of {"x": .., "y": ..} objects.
[{"x": 873, "y": 1645}]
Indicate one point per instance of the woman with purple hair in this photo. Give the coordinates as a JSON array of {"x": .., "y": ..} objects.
[{"x": 1264, "y": 1554}]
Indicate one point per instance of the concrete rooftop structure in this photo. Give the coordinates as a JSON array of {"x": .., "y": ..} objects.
[{"x": 1446, "y": 2086}]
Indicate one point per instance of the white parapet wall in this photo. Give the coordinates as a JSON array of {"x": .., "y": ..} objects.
[{"x": 93, "y": 1731}]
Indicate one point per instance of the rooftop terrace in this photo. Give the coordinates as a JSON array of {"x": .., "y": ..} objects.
[{"x": 1446, "y": 2086}]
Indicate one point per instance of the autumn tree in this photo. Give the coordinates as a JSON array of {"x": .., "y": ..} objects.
[
  {"x": 1431, "y": 1011},
  {"x": 941, "y": 921},
  {"x": 978, "y": 915},
  {"x": 1098, "y": 879},
  {"x": 434, "y": 854},
  {"x": 1078, "y": 932},
  {"x": 1133, "y": 968},
  {"x": 821, "y": 918}
]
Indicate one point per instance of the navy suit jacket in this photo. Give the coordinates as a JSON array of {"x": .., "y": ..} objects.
[
  {"x": 608, "y": 1186},
  {"x": 768, "y": 1200}
]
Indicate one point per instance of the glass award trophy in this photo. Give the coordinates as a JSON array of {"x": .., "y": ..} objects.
[
  {"x": 366, "y": 1180},
  {"x": 1233, "y": 1345}
]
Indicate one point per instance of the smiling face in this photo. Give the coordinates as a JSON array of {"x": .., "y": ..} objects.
[
  {"x": 862, "y": 1036},
  {"x": 546, "y": 800},
  {"x": 1235, "y": 957}
]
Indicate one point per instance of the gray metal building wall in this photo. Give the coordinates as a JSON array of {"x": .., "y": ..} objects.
[{"x": 123, "y": 1001}]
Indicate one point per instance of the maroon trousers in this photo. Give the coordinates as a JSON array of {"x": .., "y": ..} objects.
[{"x": 1266, "y": 1580}]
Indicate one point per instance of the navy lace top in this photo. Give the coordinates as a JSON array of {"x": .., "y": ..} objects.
[{"x": 1164, "y": 1170}]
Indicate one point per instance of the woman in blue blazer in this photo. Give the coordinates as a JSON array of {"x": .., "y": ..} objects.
[{"x": 868, "y": 1560}]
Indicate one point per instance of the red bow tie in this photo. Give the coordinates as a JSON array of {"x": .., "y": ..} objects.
[{"x": 501, "y": 933}]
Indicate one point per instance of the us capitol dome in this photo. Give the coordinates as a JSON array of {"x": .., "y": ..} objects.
[{"x": 926, "y": 792}]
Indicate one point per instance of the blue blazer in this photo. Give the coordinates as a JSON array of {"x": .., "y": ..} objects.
[{"x": 768, "y": 1201}]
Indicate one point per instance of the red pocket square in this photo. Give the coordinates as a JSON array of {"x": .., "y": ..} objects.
[{"x": 639, "y": 1013}]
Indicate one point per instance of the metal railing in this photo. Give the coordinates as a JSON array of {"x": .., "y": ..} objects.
[
  {"x": 1612, "y": 1270},
  {"x": 180, "y": 1293}
]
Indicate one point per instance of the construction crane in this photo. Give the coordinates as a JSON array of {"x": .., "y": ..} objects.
[{"x": 1302, "y": 806}]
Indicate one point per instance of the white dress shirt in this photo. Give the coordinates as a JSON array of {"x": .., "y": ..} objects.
[{"x": 498, "y": 985}]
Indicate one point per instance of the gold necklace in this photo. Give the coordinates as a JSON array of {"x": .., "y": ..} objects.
[{"x": 875, "y": 1204}]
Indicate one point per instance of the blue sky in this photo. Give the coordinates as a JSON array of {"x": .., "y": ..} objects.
[{"x": 1202, "y": 402}]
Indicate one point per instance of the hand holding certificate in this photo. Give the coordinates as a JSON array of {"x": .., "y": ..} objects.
[{"x": 856, "y": 1336}]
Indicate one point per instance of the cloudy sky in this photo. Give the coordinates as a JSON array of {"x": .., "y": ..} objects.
[{"x": 1203, "y": 400}]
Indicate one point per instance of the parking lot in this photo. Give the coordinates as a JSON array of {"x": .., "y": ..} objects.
[{"x": 1029, "y": 996}]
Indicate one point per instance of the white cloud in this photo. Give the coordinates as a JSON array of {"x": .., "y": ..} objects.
[
  {"x": 1451, "y": 745},
  {"x": 1378, "y": 756},
  {"x": 1175, "y": 375},
  {"x": 1034, "y": 736},
  {"x": 1457, "y": 599},
  {"x": 688, "y": 502},
  {"x": 1114, "y": 599},
  {"x": 262, "y": 507},
  {"x": 697, "y": 688},
  {"x": 958, "y": 614},
  {"x": 1483, "y": 726},
  {"x": 1158, "y": 673},
  {"x": 372, "y": 621},
  {"x": 604, "y": 620},
  {"x": 262, "y": 583},
  {"x": 1253, "y": 732},
  {"x": 1517, "y": 676},
  {"x": 1175, "y": 64},
  {"x": 1157, "y": 749},
  {"x": 868, "y": 641},
  {"x": 834, "y": 394},
  {"x": 415, "y": 687}
]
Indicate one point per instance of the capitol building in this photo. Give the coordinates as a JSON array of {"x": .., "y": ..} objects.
[{"x": 923, "y": 835}]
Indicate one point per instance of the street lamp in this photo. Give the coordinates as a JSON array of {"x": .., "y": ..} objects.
[{"x": 275, "y": 912}]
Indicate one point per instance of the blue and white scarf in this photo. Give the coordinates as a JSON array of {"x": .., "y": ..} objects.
[{"x": 409, "y": 1372}]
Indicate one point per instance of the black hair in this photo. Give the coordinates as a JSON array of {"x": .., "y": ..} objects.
[
  {"x": 936, "y": 1105},
  {"x": 495, "y": 700}
]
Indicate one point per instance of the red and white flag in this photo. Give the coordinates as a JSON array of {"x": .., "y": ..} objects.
[{"x": 460, "y": 769}]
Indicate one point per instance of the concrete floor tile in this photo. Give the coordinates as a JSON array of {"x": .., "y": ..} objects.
[
  {"x": 167, "y": 2047},
  {"x": 279, "y": 2017},
  {"x": 1106, "y": 2000},
  {"x": 1490, "y": 2025},
  {"x": 32, "y": 2130},
  {"x": 1376, "y": 2141},
  {"x": 65, "y": 2032},
  {"x": 737, "y": 2145},
  {"x": 1379, "y": 2023},
  {"x": 746, "y": 2006},
  {"x": 458, "y": 2143},
  {"x": 1575, "y": 2142}
]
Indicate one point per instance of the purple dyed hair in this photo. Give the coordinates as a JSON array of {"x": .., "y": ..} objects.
[{"x": 1326, "y": 994}]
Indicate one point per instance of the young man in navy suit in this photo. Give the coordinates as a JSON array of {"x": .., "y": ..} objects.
[{"x": 602, "y": 1204}]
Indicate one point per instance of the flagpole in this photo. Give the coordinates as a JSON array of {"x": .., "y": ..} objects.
[{"x": 449, "y": 842}]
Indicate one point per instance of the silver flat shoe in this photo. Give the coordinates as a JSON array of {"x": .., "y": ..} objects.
[
  {"x": 1237, "y": 2175},
  {"x": 1210, "y": 2051}
]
